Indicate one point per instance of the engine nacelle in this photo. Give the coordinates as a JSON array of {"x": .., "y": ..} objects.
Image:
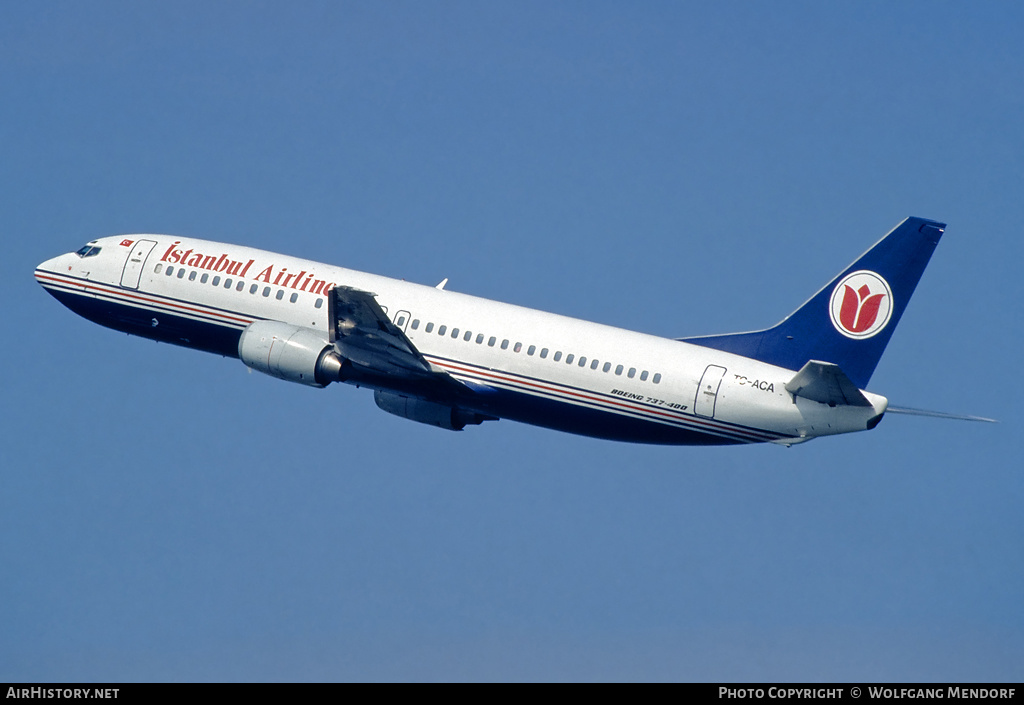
[
  {"x": 289, "y": 352},
  {"x": 428, "y": 412}
]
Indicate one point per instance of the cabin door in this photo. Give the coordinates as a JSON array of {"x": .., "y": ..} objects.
[
  {"x": 135, "y": 262},
  {"x": 402, "y": 320},
  {"x": 707, "y": 391}
]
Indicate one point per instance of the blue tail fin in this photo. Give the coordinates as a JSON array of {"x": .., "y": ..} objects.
[{"x": 849, "y": 322}]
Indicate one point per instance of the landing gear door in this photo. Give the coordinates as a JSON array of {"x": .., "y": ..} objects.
[
  {"x": 136, "y": 261},
  {"x": 707, "y": 391}
]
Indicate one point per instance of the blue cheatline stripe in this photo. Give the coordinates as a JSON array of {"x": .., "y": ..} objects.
[{"x": 578, "y": 396}]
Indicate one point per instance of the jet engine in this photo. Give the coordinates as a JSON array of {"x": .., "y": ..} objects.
[
  {"x": 428, "y": 412},
  {"x": 291, "y": 353}
]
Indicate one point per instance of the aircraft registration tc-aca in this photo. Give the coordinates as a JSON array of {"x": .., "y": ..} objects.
[{"x": 451, "y": 360}]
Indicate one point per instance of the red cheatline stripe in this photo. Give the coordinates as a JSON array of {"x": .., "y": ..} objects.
[
  {"x": 121, "y": 293},
  {"x": 702, "y": 424},
  {"x": 562, "y": 391},
  {"x": 635, "y": 411}
]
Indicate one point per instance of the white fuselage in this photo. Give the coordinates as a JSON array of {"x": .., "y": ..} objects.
[{"x": 517, "y": 363}]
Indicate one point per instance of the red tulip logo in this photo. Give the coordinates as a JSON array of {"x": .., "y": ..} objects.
[
  {"x": 860, "y": 308},
  {"x": 861, "y": 305}
]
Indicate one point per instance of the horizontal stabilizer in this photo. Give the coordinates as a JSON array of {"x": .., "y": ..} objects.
[
  {"x": 938, "y": 414},
  {"x": 826, "y": 383}
]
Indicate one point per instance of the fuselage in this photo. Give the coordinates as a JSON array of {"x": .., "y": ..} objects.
[{"x": 515, "y": 363}]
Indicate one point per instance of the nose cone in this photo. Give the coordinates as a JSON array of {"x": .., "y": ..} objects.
[
  {"x": 49, "y": 265},
  {"x": 47, "y": 273}
]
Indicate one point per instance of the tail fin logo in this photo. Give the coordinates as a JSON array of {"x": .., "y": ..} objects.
[{"x": 861, "y": 305}]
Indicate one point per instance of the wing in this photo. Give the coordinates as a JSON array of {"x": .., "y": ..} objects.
[
  {"x": 377, "y": 348},
  {"x": 379, "y": 354},
  {"x": 364, "y": 335}
]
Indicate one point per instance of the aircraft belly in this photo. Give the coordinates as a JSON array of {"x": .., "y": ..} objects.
[
  {"x": 608, "y": 413},
  {"x": 596, "y": 423}
]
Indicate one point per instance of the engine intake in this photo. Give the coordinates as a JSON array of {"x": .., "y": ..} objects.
[{"x": 291, "y": 353}]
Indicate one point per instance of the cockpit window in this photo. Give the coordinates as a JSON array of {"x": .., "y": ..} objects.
[{"x": 88, "y": 251}]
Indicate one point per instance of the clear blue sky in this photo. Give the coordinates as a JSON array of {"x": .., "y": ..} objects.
[{"x": 676, "y": 168}]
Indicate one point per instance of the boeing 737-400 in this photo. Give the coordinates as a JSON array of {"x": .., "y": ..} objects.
[{"x": 451, "y": 360}]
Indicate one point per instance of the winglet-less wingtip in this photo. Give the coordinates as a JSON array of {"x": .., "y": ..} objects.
[{"x": 938, "y": 414}]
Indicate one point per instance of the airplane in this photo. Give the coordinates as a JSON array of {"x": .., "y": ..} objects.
[{"x": 451, "y": 360}]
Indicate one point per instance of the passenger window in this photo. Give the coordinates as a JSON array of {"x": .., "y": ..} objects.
[
  {"x": 583, "y": 361},
  {"x": 205, "y": 278},
  {"x": 657, "y": 378},
  {"x": 455, "y": 333},
  {"x": 607, "y": 366},
  {"x": 517, "y": 347},
  {"x": 632, "y": 372},
  {"x": 415, "y": 323},
  {"x": 280, "y": 294},
  {"x": 293, "y": 298},
  {"x": 531, "y": 350},
  {"x": 319, "y": 303},
  {"x": 157, "y": 269},
  {"x": 429, "y": 328},
  {"x": 181, "y": 274},
  {"x": 594, "y": 364},
  {"x": 228, "y": 283},
  {"x": 479, "y": 338},
  {"x": 401, "y": 321},
  {"x": 618, "y": 369},
  {"x": 255, "y": 287},
  {"x": 241, "y": 286},
  {"x": 543, "y": 352},
  {"x": 170, "y": 271},
  {"x": 569, "y": 358},
  {"x": 504, "y": 344},
  {"x": 468, "y": 336},
  {"x": 442, "y": 330},
  {"x": 491, "y": 341},
  {"x": 558, "y": 356},
  {"x": 216, "y": 281},
  {"x": 266, "y": 291},
  {"x": 643, "y": 376},
  {"x": 192, "y": 275}
]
